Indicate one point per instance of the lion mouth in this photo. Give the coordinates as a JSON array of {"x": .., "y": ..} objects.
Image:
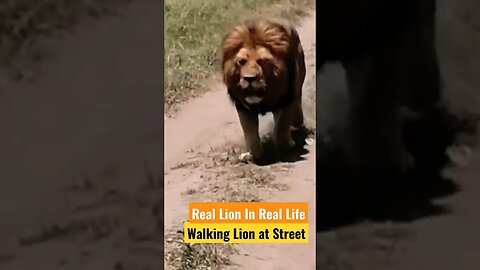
[
  {"x": 254, "y": 96},
  {"x": 253, "y": 99}
]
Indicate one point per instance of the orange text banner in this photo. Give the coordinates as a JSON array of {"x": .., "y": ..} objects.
[{"x": 248, "y": 212}]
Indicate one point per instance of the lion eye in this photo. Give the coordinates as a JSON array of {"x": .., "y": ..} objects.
[
  {"x": 262, "y": 61},
  {"x": 242, "y": 62}
]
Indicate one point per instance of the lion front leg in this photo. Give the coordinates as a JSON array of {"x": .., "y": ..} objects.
[
  {"x": 249, "y": 124},
  {"x": 283, "y": 119},
  {"x": 298, "y": 119}
]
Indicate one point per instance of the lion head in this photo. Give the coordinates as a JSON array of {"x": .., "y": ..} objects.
[{"x": 255, "y": 61}]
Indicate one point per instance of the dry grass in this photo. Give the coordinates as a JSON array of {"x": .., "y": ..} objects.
[
  {"x": 183, "y": 256},
  {"x": 193, "y": 32}
]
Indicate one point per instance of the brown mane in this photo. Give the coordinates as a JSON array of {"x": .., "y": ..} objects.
[
  {"x": 282, "y": 42},
  {"x": 268, "y": 33}
]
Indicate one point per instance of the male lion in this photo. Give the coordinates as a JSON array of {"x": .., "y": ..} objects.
[
  {"x": 387, "y": 48},
  {"x": 264, "y": 69}
]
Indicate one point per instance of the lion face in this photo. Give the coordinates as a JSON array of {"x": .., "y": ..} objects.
[
  {"x": 254, "y": 61},
  {"x": 253, "y": 68}
]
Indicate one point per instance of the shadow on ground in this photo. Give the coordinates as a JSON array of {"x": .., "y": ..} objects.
[
  {"x": 274, "y": 155},
  {"x": 344, "y": 198}
]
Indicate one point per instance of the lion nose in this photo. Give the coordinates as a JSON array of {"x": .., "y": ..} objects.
[{"x": 250, "y": 79}]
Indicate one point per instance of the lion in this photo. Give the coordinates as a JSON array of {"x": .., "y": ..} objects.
[
  {"x": 388, "y": 52},
  {"x": 263, "y": 66}
]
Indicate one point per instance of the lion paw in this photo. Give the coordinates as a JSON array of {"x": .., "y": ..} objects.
[
  {"x": 252, "y": 156},
  {"x": 245, "y": 157}
]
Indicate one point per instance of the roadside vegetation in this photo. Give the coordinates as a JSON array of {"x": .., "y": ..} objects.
[{"x": 193, "y": 33}]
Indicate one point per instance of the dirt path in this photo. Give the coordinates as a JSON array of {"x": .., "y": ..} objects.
[{"x": 212, "y": 123}]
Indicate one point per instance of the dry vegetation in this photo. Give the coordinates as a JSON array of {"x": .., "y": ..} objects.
[
  {"x": 193, "y": 32},
  {"x": 224, "y": 178}
]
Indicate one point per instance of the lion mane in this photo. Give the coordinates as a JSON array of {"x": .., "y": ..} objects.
[{"x": 282, "y": 43}]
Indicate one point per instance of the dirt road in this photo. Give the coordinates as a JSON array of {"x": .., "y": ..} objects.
[{"x": 221, "y": 128}]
